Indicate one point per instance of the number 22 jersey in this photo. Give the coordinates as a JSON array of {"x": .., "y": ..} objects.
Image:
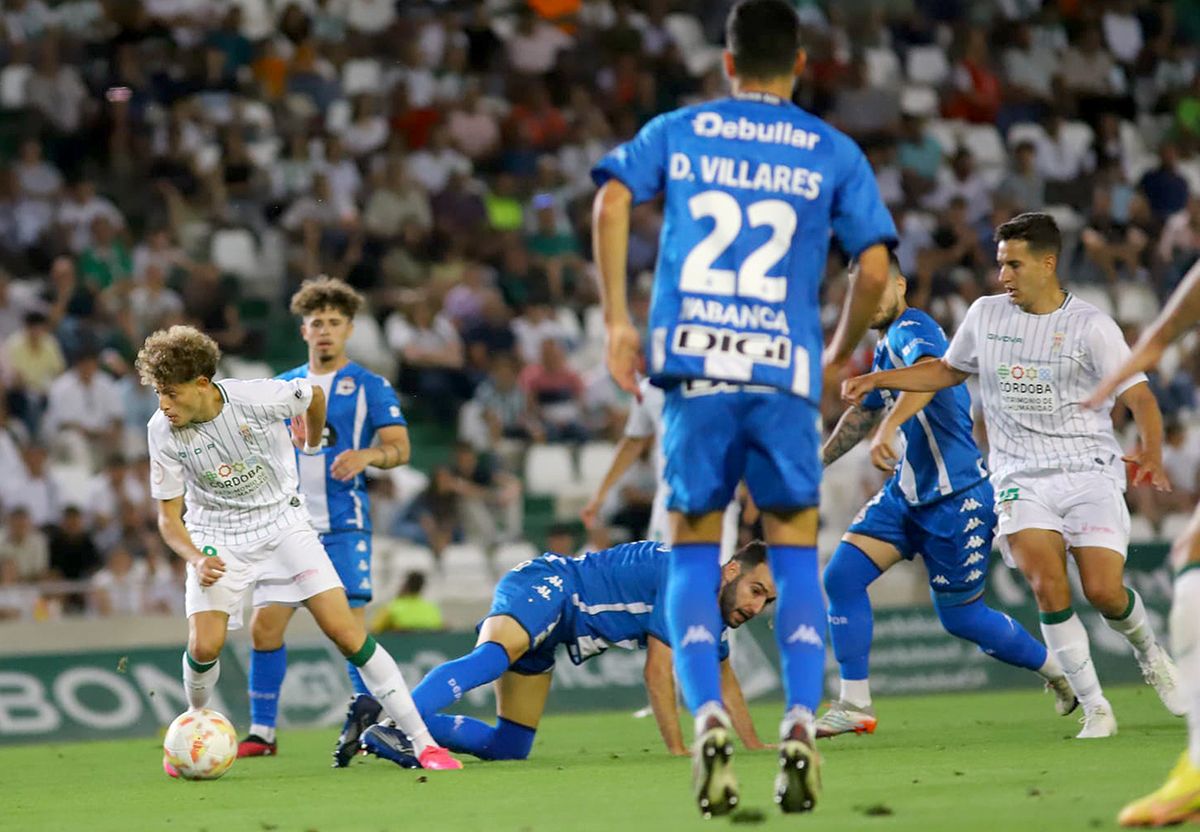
[{"x": 753, "y": 186}]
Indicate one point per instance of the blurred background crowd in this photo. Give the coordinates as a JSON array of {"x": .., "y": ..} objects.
[{"x": 194, "y": 160}]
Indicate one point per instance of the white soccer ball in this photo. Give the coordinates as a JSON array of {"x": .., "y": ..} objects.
[{"x": 200, "y": 745}]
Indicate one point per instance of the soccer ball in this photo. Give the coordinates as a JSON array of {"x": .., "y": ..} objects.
[{"x": 200, "y": 745}]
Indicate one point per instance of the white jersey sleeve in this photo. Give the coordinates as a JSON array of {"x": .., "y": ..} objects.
[
  {"x": 1108, "y": 351},
  {"x": 279, "y": 399},
  {"x": 963, "y": 352},
  {"x": 166, "y": 471}
]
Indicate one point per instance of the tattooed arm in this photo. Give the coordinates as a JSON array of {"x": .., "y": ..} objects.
[{"x": 851, "y": 428}]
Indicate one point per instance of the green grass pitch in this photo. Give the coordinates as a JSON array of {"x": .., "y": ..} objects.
[{"x": 994, "y": 761}]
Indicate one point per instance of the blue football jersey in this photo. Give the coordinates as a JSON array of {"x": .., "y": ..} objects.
[
  {"x": 359, "y": 404},
  {"x": 753, "y": 186},
  {"x": 940, "y": 455},
  {"x": 618, "y": 599}
]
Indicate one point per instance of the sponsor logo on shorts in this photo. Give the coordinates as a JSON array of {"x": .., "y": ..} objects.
[
  {"x": 972, "y": 524},
  {"x": 940, "y": 580},
  {"x": 304, "y": 576},
  {"x": 974, "y": 575},
  {"x": 1008, "y": 495},
  {"x": 976, "y": 557},
  {"x": 970, "y": 504},
  {"x": 975, "y": 541},
  {"x": 1088, "y": 528}
]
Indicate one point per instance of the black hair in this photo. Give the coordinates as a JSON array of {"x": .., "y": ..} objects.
[
  {"x": 764, "y": 37},
  {"x": 414, "y": 582},
  {"x": 751, "y": 555},
  {"x": 1039, "y": 231}
]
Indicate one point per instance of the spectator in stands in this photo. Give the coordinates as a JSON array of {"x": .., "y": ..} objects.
[
  {"x": 119, "y": 587},
  {"x": 505, "y": 404},
  {"x": 561, "y": 539},
  {"x": 431, "y": 359},
  {"x": 1164, "y": 188},
  {"x": 1179, "y": 245},
  {"x": 1114, "y": 247},
  {"x": 210, "y": 304},
  {"x": 432, "y": 518},
  {"x": 18, "y": 599},
  {"x": 861, "y": 109},
  {"x": 106, "y": 260},
  {"x": 409, "y": 611},
  {"x": 33, "y": 359},
  {"x": 153, "y": 304},
  {"x": 489, "y": 498},
  {"x": 533, "y": 46},
  {"x": 976, "y": 96},
  {"x": 30, "y": 487},
  {"x": 84, "y": 410},
  {"x": 555, "y": 393},
  {"x": 1024, "y": 185},
  {"x": 73, "y": 554},
  {"x": 25, "y": 545},
  {"x": 961, "y": 180},
  {"x": 395, "y": 203},
  {"x": 79, "y": 209},
  {"x": 1181, "y": 460}
]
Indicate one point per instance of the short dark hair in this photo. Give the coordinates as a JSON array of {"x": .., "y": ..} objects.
[
  {"x": 1039, "y": 231},
  {"x": 751, "y": 555},
  {"x": 414, "y": 582},
  {"x": 764, "y": 37}
]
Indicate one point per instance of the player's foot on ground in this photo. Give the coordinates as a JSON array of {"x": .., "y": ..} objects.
[
  {"x": 170, "y": 769},
  {"x": 798, "y": 784},
  {"x": 844, "y": 718},
  {"x": 1065, "y": 700},
  {"x": 1159, "y": 672},
  {"x": 363, "y": 712},
  {"x": 388, "y": 743},
  {"x": 713, "y": 780},
  {"x": 256, "y": 746},
  {"x": 1175, "y": 801},
  {"x": 436, "y": 758},
  {"x": 1098, "y": 722}
]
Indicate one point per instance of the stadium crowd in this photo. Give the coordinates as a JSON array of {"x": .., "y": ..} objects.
[{"x": 194, "y": 160}]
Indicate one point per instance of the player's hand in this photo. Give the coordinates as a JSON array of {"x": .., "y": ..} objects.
[
  {"x": 854, "y": 390},
  {"x": 349, "y": 464},
  {"x": 625, "y": 356},
  {"x": 299, "y": 432},
  {"x": 590, "y": 514},
  {"x": 1148, "y": 468},
  {"x": 209, "y": 569},
  {"x": 883, "y": 455},
  {"x": 679, "y": 752}
]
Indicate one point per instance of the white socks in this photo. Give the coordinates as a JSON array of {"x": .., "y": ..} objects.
[
  {"x": 1051, "y": 670},
  {"x": 199, "y": 680},
  {"x": 713, "y": 708},
  {"x": 1068, "y": 641},
  {"x": 1185, "y": 644},
  {"x": 856, "y": 692},
  {"x": 266, "y": 732},
  {"x": 1135, "y": 626},
  {"x": 382, "y": 677}
]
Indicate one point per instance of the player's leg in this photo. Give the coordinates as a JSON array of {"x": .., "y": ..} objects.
[
  {"x": 201, "y": 660},
  {"x": 520, "y": 702},
  {"x": 350, "y": 553},
  {"x": 268, "y": 665},
  {"x": 1178, "y": 799},
  {"x": 854, "y": 566},
  {"x": 502, "y": 640}
]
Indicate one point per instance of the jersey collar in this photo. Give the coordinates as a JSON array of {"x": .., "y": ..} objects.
[{"x": 762, "y": 97}]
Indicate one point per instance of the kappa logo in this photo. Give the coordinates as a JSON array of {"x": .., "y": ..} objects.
[
  {"x": 939, "y": 580},
  {"x": 974, "y": 575},
  {"x": 970, "y": 504},
  {"x": 805, "y": 634},
  {"x": 363, "y": 566},
  {"x": 365, "y": 583},
  {"x": 976, "y": 557},
  {"x": 975, "y": 541},
  {"x": 697, "y": 634},
  {"x": 361, "y": 547},
  {"x": 903, "y": 324},
  {"x": 972, "y": 524}
]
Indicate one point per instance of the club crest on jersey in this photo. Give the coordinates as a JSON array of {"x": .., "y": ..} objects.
[
  {"x": 1057, "y": 344},
  {"x": 345, "y": 387},
  {"x": 244, "y": 430}
]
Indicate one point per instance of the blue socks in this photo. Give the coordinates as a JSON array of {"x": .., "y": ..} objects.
[
  {"x": 799, "y": 624},
  {"x": 996, "y": 634},
  {"x": 464, "y": 735},
  {"x": 851, "y": 624},
  {"x": 356, "y": 680},
  {"x": 446, "y": 683},
  {"x": 267, "y": 669},
  {"x": 694, "y": 621}
]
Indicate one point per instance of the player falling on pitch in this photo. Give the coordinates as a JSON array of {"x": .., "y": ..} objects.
[
  {"x": 753, "y": 188},
  {"x": 223, "y": 450},
  {"x": 938, "y": 503},
  {"x": 587, "y": 604},
  {"x": 361, "y": 406},
  {"x": 1179, "y": 798},
  {"x": 1057, "y": 469}
]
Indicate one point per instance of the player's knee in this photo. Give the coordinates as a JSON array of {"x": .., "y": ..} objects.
[
  {"x": 512, "y": 741},
  {"x": 204, "y": 649},
  {"x": 1051, "y": 591},
  {"x": 265, "y": 635},
  {"x": 1185, "y": 550},
  {"x": 841, "y": 579},
  {"x": 1106, "y": 595},
  {"x": 961, "y": 621}
]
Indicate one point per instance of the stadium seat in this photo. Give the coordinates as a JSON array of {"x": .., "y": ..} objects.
[
  {"x": 698, "y": 54},
  {"x": 549, "y": 470},
  {"x": 337, "y": 117},
  {"x": 945, "y": 132},
  {"x": 1097, "y": 296},
  {"x": 1136, "y": 303},
  {"x": 14, "y": 79},
  {"x": 919, "y": 100},
  {"x": 463, "y": 559},
  {"x": 509, "y": 555},
  {"x": 1069, "y": 220},
  {"x": 594, "y": 459},
  {"x": 1026, "y": 132},
  {"x": 1141, "y": 530},
  {"x": 1078, "y": 135},
  {"x": 1173, "y": 525},
  {"x": 362, "y": 75},
  {"x": 883, "y": 67},
  {"x": 986, "y": 145},
  {"x": 264, "y": 152},
  {"x": 235, "y": 251},
  {"x": 471, "y": 426},
  {"x": 927, "y": 65},
  {"x": 403, "y": 556},
  {"x": 572, "y": 332},
  {"x": 258, "y": 114}
]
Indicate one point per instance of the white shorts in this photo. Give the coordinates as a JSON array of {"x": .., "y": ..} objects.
[
  {"x": 1087, "y": 509},
  {"x": 285, "y": 569}
]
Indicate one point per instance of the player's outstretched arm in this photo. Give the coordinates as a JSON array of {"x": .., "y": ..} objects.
[
  {"x": 209, "y": 568},
  {"x": 739, "y": 712},
  {"x": 851, "y": 428},
  {"x": 628, "y": 450},
  {"x": 1147, "y": 459},
  {"x": 660, "y": 687},
  {"x": 1182, "y": 310},
  {"x": 922, "y": 377},
  {"x": 610, "y": 249},
  {"x": 861, "y": 302}
]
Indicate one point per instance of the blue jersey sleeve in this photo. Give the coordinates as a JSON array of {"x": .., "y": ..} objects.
[
  {"x": 913, "y": 339},
  {"x": 383, "y": 405},
  {"x": 860, "y": 219},
  {"x": 723, "y": 645},
  {"x": 640, "y": 164}
]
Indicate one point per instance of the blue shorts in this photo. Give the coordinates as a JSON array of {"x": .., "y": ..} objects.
[
  {"x": 953, "y": 535},
  {"x": 715, "y": 435},
  {"x": 351, "y": 556},
  {"x": 536, "y": 595}
]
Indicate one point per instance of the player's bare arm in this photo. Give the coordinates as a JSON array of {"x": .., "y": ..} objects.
[
  {"x": 866, "y": 287},
  {"x": 922, "y": 377},
  {"x": 209, "y": 568},
  {"x": 628, "y": 450},
  {"x": 883, "y": 455},
  {"x": 1182, "y": 310},
  {"x": 659, "y": 674},
  {"x": 849, "y": 431},
  {"x": 610, "y": 233},
  {"x": 393, "y": 449},
  {"x": 739, "y": 712},
  {"x": 1147, "y": 459}
]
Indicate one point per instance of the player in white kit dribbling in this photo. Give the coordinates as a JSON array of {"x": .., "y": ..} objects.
[
  {"x": 1057, "y": 469},
  {"x": 223, "y": 450}
]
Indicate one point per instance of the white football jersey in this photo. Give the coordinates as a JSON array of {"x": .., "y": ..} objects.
[
  {"x": 237, "y": 472},
  {"x": 1034, "y": 373}
]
